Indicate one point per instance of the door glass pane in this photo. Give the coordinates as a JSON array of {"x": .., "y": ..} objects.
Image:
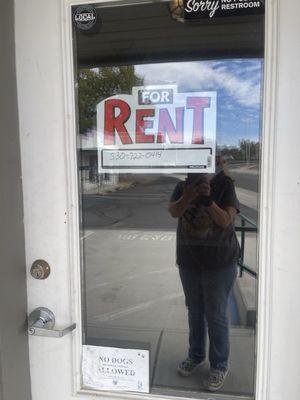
[{"x": 169, "y": 133}]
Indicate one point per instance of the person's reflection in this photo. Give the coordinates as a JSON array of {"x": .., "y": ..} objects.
[{"x": 207, "y": 253}]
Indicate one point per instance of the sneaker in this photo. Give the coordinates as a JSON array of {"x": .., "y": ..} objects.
[
  {"x": 215, "y": 379},
  {"x": 188, "y": 366}
]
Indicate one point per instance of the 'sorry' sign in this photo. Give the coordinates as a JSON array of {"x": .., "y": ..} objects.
[{"x": 195, "y": 9}]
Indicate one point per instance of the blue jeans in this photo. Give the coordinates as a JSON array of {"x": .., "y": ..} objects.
[{"x": 206, "y": 296}]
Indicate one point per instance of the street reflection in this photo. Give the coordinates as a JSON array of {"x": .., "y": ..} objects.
[{"x": 133, "y": 292}]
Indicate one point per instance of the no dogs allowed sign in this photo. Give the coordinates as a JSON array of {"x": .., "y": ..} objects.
[{"x": 157, "y": 129}]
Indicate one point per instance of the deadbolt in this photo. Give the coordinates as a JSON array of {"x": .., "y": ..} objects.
[{"x": 40, "y": 269}]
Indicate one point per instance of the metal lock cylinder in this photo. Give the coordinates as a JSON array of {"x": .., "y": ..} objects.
[{"x": 40, "y": 269}]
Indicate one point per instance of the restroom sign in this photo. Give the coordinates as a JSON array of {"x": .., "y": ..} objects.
[
  {"x": 210, "y": 9},
  {"x": 157, "y": 129}
]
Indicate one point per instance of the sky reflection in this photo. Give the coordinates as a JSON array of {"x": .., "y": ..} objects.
[{"x": 238, "y": 83}]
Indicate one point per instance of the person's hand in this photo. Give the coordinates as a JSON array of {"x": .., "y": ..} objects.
[
  {"x": 204, "y": 187},
  {"x": 200, "y": 187}
]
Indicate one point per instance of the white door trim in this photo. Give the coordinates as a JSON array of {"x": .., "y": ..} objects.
[
  {"x": 267, "y": 186},
  {"x": 266, "y": 201}
]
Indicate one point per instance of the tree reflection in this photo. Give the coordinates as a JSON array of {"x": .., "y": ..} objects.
[{"x": 97, "y": 84}]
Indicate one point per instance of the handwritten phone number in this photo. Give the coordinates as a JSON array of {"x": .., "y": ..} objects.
[{"x": 134, "y": 155}]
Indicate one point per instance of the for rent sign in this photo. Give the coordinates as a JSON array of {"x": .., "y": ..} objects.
[{"x": 157, "y": 129}]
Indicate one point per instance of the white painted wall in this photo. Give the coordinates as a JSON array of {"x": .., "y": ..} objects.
[
  {"x": 285, "y": 319},
  {"x": 14, "y": 359}
]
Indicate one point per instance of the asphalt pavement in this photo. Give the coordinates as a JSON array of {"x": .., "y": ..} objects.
[{"x": 129, "y": 236}]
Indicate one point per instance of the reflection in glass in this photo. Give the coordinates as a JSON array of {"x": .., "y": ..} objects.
[
  {"x": 133, "y": 294},
  {"x": 133, "y": 290}
]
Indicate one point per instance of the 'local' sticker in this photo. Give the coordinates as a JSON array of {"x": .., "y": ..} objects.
[{"x": 85, "y": 17}]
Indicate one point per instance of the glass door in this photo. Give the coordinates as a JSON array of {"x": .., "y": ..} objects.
[{"x": 169, "y": 131}]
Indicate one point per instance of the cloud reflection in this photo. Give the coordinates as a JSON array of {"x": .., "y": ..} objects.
[
  {"x": 237, "y": 82},
  {"x": 240, "y": 79}
]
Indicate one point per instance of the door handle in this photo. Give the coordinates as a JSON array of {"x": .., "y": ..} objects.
[{"x": 41, "y": 322}]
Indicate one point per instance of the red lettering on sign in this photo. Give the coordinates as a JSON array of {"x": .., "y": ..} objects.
[
  {"x": 113, "y": 123},
  {"x": 166, "y": 126},
  {"x": 141, "y": 125},
  {"x": 198, "y": 104}
]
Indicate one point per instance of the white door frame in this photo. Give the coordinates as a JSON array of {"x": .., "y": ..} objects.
[
  {"x": 266, "y": 198},
  {"x": 73, "y": 267},
  {"x": 266, "y": 205}
]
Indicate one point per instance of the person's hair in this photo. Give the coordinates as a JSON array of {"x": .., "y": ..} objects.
[
  {"x": 225, "y": 169},
  {"x": 224, "y": 164}
]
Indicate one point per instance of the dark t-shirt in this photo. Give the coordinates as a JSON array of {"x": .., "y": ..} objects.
[{"x": 201, "y": 243}]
